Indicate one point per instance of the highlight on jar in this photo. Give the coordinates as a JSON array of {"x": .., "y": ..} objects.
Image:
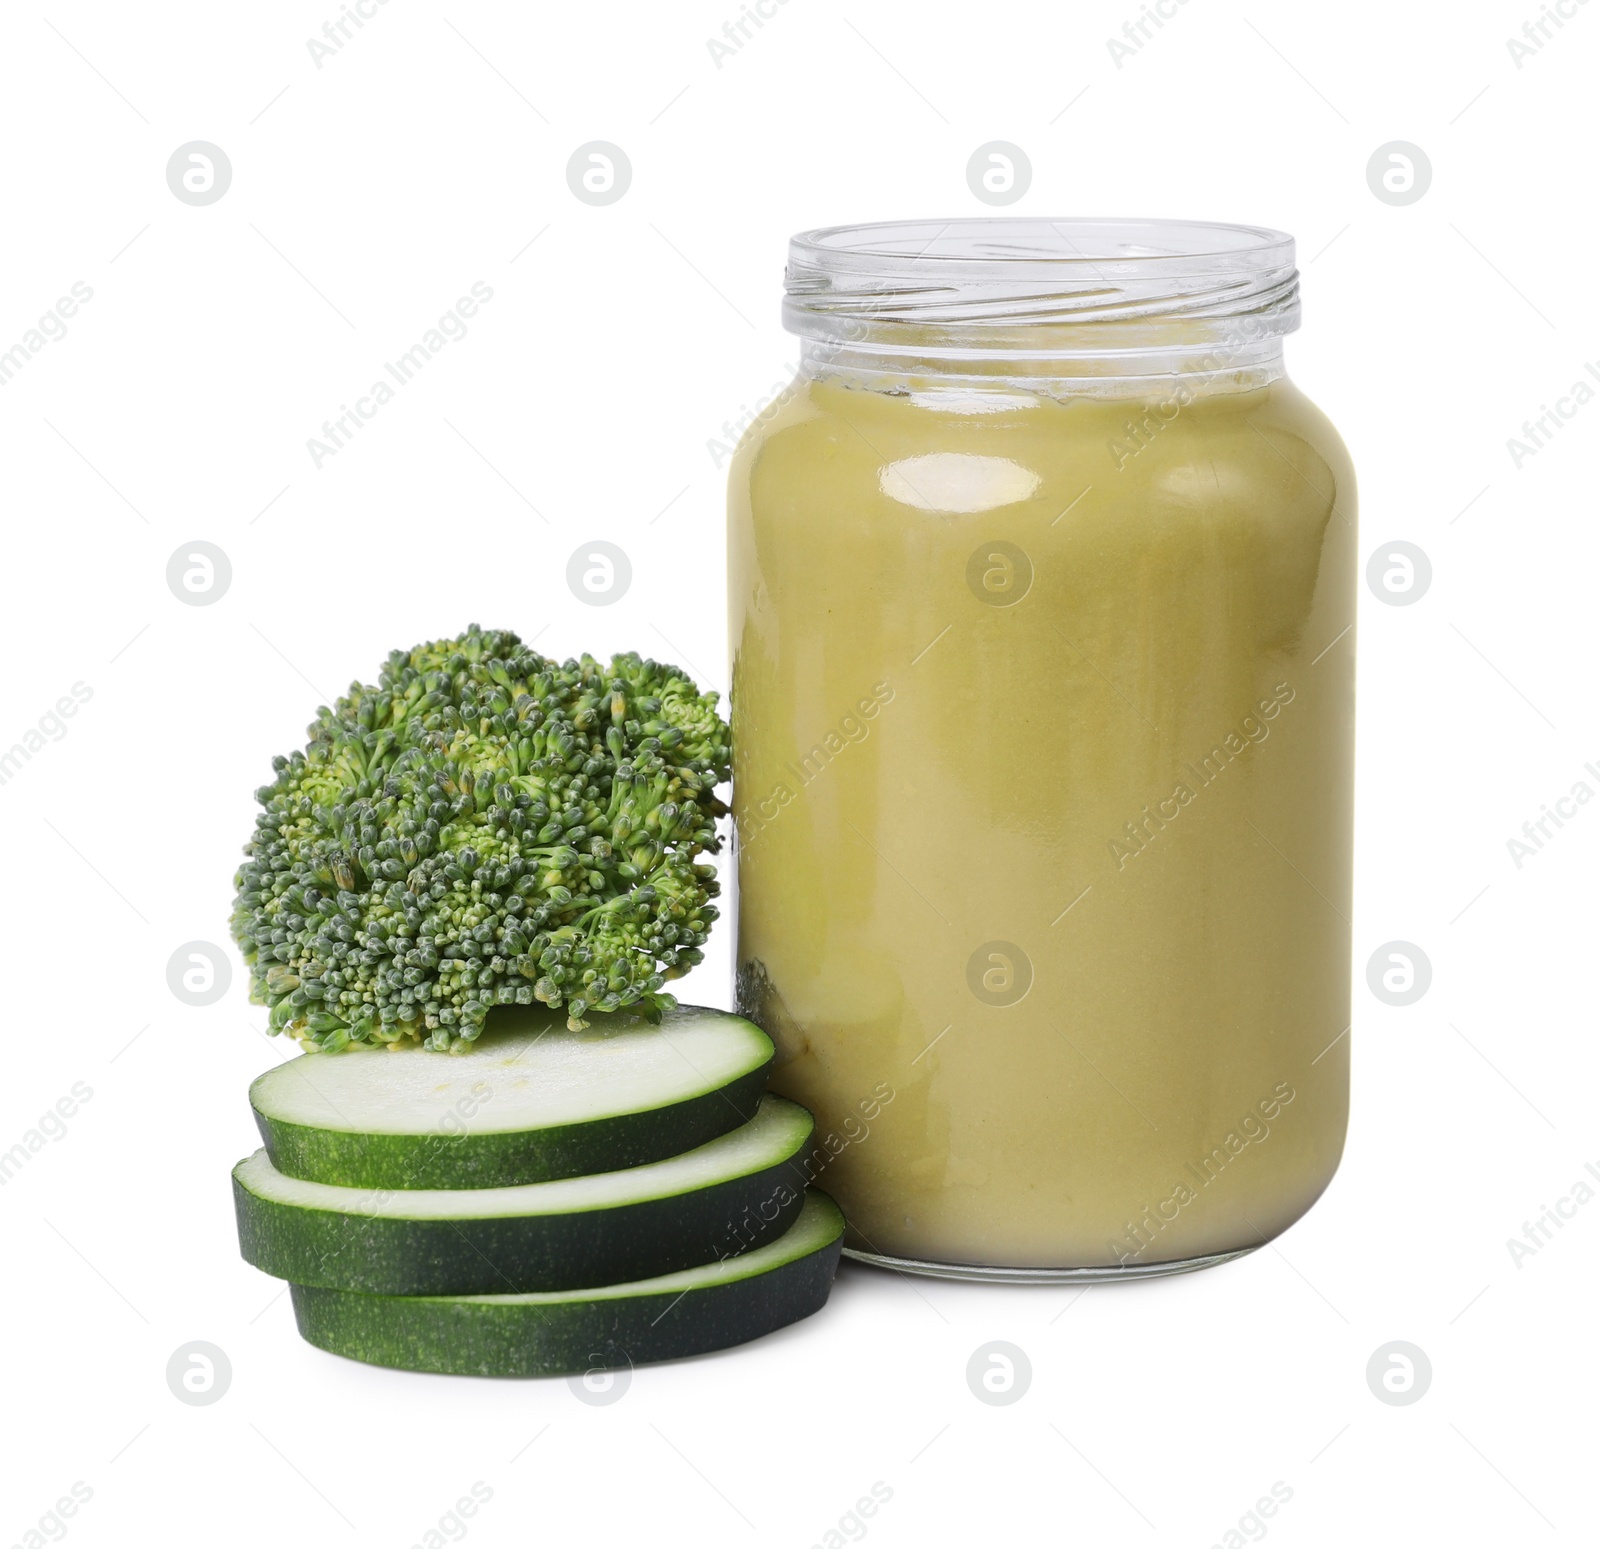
[{"x": 1041, "y": 591}]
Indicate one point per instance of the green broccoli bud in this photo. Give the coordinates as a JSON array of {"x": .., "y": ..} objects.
[{"x": 483, "y": 827}]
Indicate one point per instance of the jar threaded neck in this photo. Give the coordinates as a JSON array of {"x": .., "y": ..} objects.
[{"x": 982, "y": 296}]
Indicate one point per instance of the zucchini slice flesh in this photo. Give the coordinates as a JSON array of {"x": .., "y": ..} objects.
[
  {"x": 689, "y": 1312},
  {"x": 733, "y": 1193},
  {"x": 531, "y": 1101}
]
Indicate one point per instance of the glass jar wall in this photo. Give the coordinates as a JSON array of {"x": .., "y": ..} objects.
[{"x": 1041, "y": 585}]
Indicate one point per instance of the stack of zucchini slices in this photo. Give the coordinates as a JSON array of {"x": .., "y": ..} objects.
[{"x": 548, "y": 1202}]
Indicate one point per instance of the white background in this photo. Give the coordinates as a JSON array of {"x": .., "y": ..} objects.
[{"x": 366, "y": 196}]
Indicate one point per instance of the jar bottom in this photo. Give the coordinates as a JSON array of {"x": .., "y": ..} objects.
[{"x": 1004, "y": 1274}]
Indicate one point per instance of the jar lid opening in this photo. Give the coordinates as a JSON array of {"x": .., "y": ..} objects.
[{"x": 1003, "y": 273}]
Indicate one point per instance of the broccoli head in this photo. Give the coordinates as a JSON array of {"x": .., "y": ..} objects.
[{"x": 482, "y": 828}]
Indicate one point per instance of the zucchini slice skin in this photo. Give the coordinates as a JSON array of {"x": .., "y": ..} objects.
[
  {"x": 707, "y": 1308},
  {"x": 735, "y": 1192},
  {"x": 467, "y": 1140},
  {"x": 499, "y": 1160}
]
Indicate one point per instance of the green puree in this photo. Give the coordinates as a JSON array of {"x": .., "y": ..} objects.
[{"x": 1043, "y": 786}]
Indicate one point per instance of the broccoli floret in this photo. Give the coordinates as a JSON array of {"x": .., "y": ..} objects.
[{"x": 483, "y": 828}]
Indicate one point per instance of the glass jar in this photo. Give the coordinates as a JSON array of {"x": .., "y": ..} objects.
[{"x": 1042, "y": 584}]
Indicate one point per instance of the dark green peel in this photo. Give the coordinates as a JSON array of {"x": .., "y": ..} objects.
[
  {"x": 697, "y": 1310},
  {"x": 737, "y": 1191}
]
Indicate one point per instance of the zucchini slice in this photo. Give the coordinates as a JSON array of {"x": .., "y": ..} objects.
[
  {"x": 732, "y": 1193},
  {"x": 529, "y": 1102},
  {"x": 690, "y": 1312}
]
